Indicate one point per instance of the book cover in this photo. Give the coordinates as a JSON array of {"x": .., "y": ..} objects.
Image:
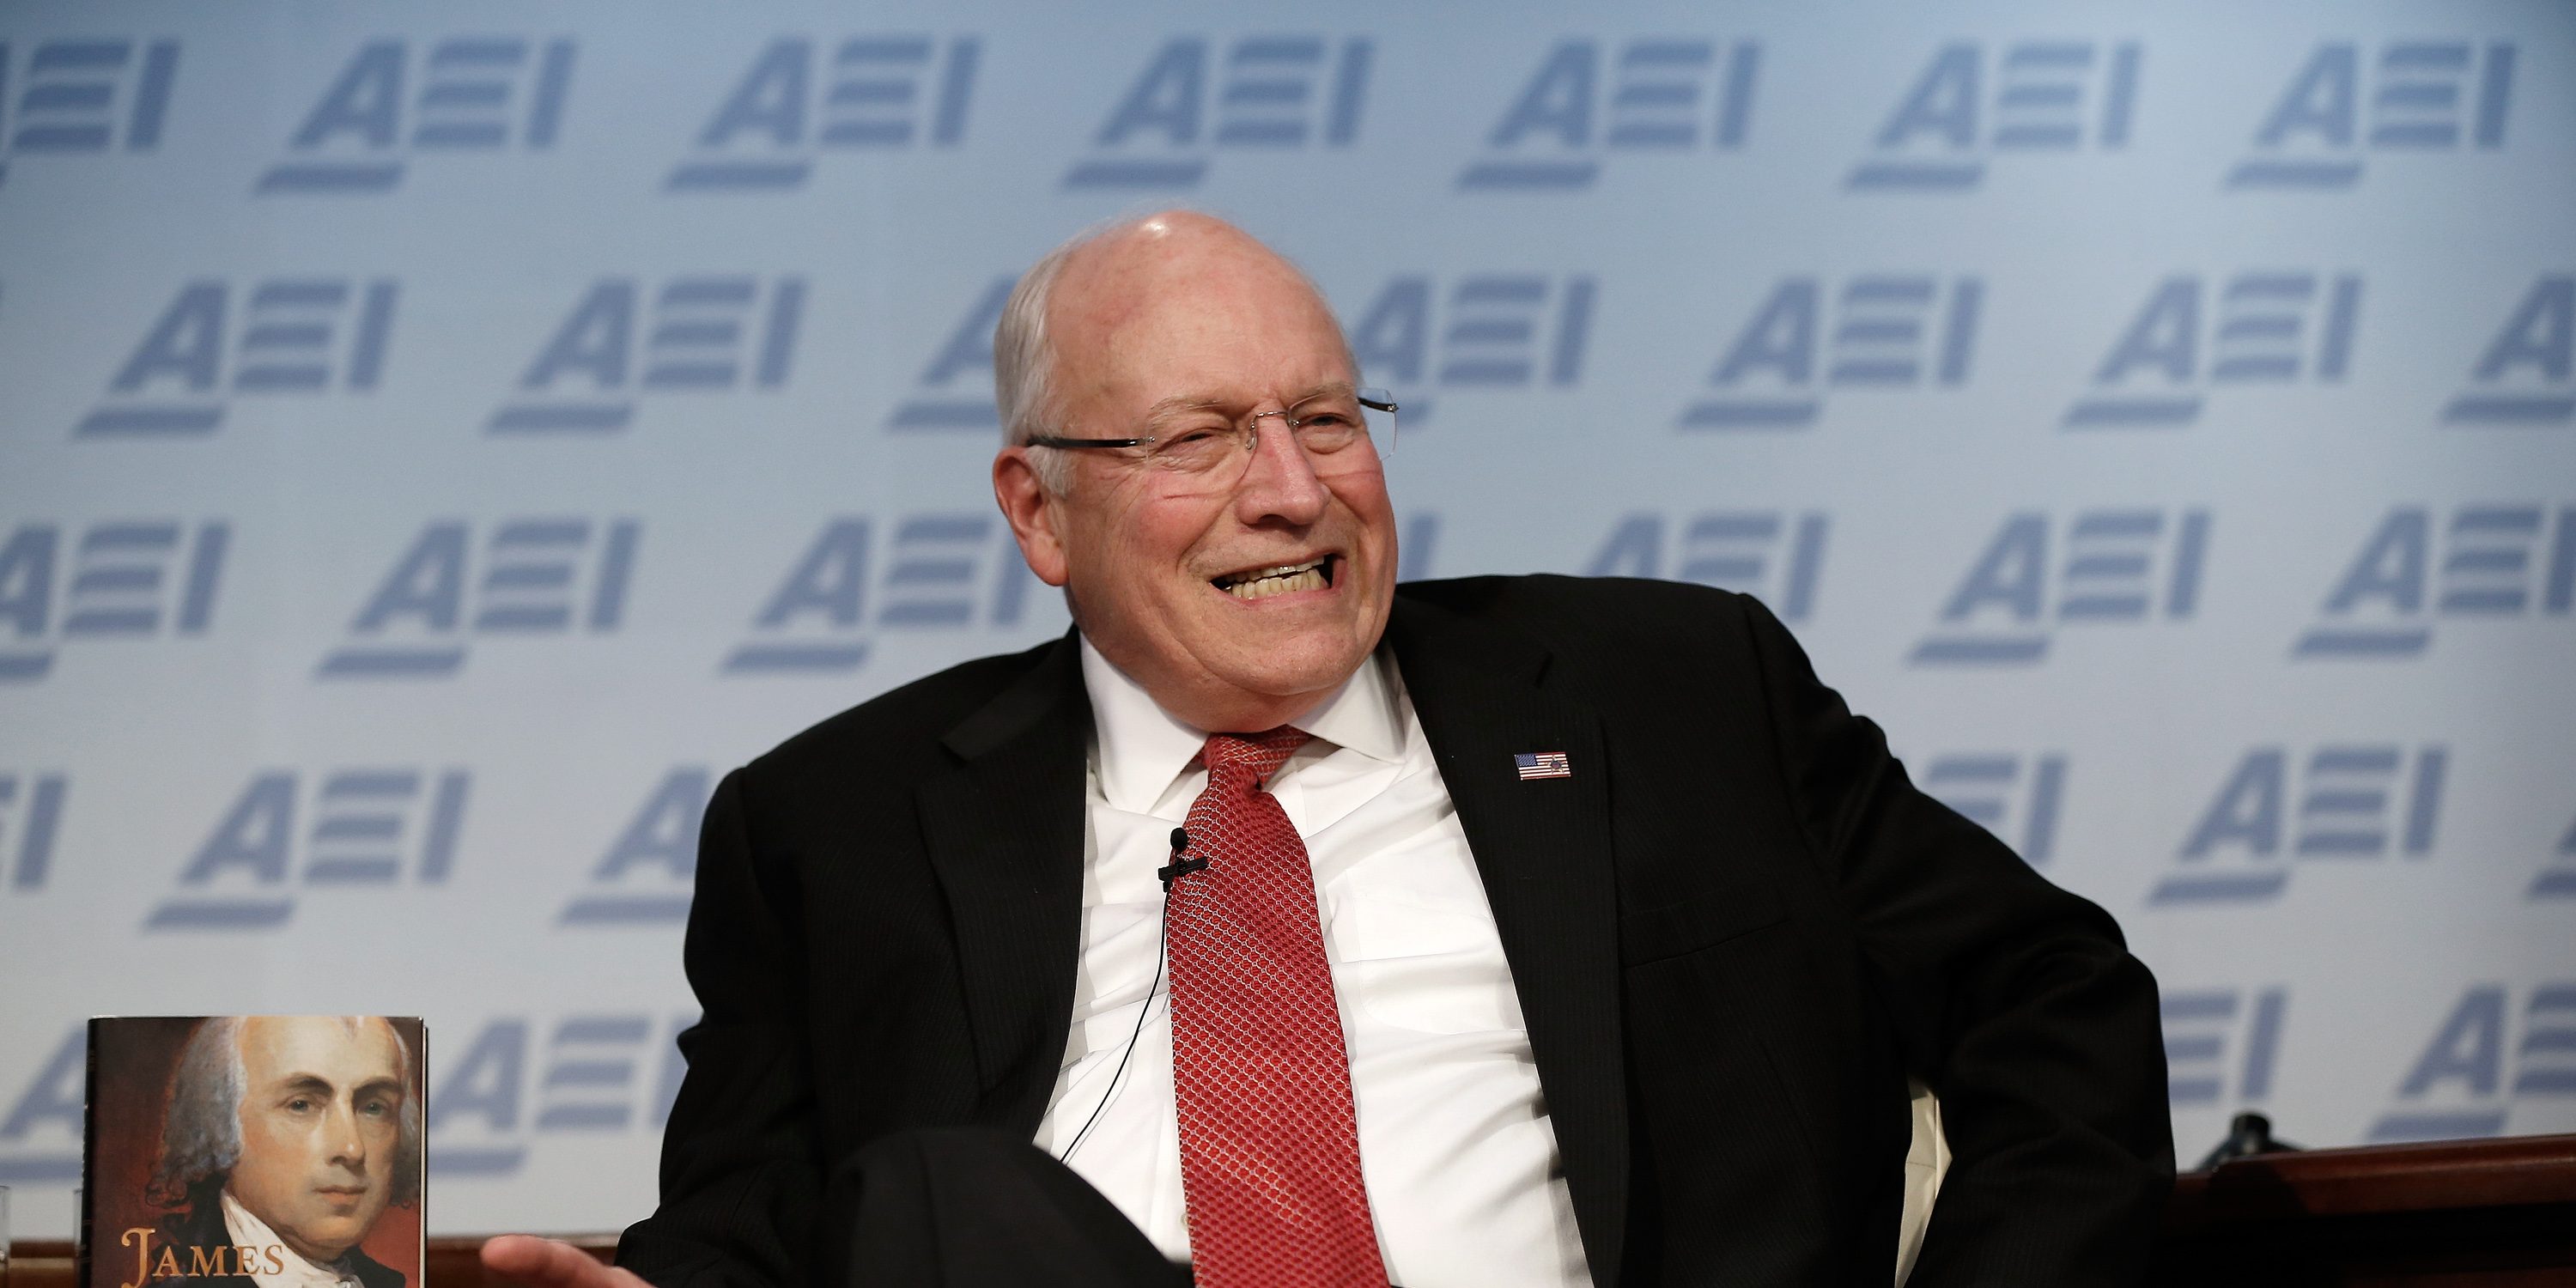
[{"x": 254, "y": 1151}]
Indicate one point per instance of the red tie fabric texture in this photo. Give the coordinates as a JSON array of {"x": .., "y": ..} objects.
[{"x": 1270, "y": 1153}]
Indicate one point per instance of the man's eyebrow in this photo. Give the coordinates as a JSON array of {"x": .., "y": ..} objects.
[
  {"x": 1170, "y": 407},
  {"x": 382, "y": 1086},
  {"x": 311, "y": 1083},
  {"x": 1324, "y": 390}
]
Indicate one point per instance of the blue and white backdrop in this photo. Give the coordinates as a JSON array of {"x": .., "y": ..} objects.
[{"x": 436, "y": 440}]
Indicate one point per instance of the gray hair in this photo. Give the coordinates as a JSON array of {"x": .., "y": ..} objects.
[
  {"x": 1024, "y": 358},
  {"x": 201, "y": 1125},
  {"x": 1024, "y": 362}
]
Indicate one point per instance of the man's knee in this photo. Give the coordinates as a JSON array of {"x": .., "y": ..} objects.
[{"x": 975, "y": 1206}]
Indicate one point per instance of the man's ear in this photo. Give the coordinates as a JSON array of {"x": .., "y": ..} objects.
[{"x": 1033, "y": 515}]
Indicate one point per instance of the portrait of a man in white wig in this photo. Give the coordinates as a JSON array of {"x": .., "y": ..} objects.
[{"x": 285, "y": 1139}]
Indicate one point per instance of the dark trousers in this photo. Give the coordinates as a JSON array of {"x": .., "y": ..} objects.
[{"x": 975, "y": 1208}]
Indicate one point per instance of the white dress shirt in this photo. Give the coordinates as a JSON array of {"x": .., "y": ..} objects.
[
  {"x": 1464, "y": 1182},
  {"x": 249, "y": 1231}
]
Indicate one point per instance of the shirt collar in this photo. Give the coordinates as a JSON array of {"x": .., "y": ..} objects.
[
  {"x": 299, "y": 1272},
  {"x": 1140, "y": 748}
]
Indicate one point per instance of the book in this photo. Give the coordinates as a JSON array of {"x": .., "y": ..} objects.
[{"x": 254, "y": 1151}]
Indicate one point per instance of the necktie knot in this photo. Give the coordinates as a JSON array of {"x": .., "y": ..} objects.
[{"x": 1239, "y": 756}]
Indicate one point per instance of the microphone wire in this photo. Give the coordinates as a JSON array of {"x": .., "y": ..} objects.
[{"x": 1162, "y": 940}]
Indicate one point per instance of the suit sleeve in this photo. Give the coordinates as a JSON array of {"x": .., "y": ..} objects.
[
  {"x": 739, "y": 1177},
  {"x": 2015, "y": 1001}
]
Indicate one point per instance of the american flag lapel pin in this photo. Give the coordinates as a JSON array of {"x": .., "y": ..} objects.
[{"x": 1542, "y": 764}]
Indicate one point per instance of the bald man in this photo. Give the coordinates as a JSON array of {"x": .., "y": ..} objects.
[{"x": 1279, "y": 926}]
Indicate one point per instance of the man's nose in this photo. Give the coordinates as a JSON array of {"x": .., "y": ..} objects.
[
  {"x": 1279, "y": 481},
  {"x": 348, "y": 1145}
]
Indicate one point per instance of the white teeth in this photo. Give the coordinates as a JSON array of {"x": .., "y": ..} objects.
[
  {"x": 1281, "y": 580},
  {"x": 1281, "y": 571}
]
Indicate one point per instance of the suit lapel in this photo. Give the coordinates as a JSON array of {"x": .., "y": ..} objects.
[
  {"x": 1005, "y": 833},
  {"x": 1542, "y": 847}
]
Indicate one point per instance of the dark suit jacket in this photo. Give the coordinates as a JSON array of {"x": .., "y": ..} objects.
[{"x": 1734, "y": 930}]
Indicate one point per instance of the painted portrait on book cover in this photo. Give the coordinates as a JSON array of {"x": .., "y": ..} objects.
[{"x": 256, "y": 1152}]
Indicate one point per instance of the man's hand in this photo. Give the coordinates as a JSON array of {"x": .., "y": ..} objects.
[{"x": 552, "y": 1263}]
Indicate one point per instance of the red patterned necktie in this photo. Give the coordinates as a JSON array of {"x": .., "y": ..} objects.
[{"x": 1270, "y": 1153}]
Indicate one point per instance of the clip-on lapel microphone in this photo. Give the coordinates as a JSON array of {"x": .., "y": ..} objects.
[{"x": 1179, "y": 867}]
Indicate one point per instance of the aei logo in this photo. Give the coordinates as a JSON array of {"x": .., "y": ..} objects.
[
  {"x": 398, "y": 100},
  {"x": 2499, "y": 563},
  {"x": 539, "y": 577},
  {"x": 1888, "y": 332},
  {"x": 2118, "y": 566},
  {"x": 939, "y": 572},
  {"x": 288, "y": 336},
  {"x": 1775, "y": 556},
  {"x": 645, "y": 877},
  {"x": 1474, "y": 332},
  {"x": 2423, "y": 96},
  {"x": 118, "y": 579},
  {"x": 593, "y": 1074},
  {"x": 1972, "y": 104},
  {"x": 367, "y": 827},
  {"x": 627, "y": 338},
  {"x": 2476, "y": 1070},
  {"x": 1194, "y": 100},
  {"x": 1587, "y": 103},
  {"x": 801, "y": 100},
  {"x": 2194, "y": 335},
  {"x": 88, "y": 95},
  {"x": 2340, "y": 802}
]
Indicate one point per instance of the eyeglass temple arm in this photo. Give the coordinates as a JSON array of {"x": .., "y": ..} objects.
[{"x": 1051, "y": 440}]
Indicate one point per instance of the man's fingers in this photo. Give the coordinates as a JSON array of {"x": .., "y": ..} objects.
[{"x": 551, "y": 1263}]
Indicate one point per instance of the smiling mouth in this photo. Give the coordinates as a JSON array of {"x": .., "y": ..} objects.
[{"x": 1281, "y": 579}]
